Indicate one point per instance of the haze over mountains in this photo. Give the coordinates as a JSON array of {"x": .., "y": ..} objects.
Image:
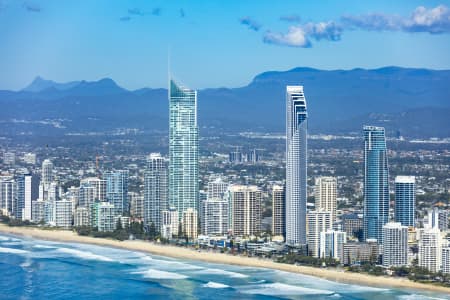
[{"x": 413, "y": 102}]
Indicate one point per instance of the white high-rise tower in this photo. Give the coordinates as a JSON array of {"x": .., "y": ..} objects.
[
  {"x": 47, "y": 172},
  {"x": 325, "y": 195},
  {"x": 183, "y": 148},
  {"x": 296, "y": 160}
]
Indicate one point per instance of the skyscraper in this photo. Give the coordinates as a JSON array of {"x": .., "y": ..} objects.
[
  {"x": 155, "y": 190},
  {"x": 395, "y": 245},
  {"x": 332, "y": 244},
  {"x": 217, "y": 188},
  {"x": 22, "y": 210},
  {"x": 405, "y": 200},
  {"x": 190, "y": 223},
  {"x": 117, "y": 190},
  {"x": 376, "y": 184},
  {"x": 278, "y": 211},
  {"x": 170, "y": 223},
  {"x": 47, "y": 172},
  {"x": 7, "y": 194},
  {"x": 325, "y": 195},
  {"x": 318, "y": 221},
  {"x": 102, "y": 216},
  {"x": 99, "y": 186},
  {"x": 38, "y": 211},
  {"x": 215, "y": 216},
  {"x": 437, "y": 218},
  {"x": 296, "y": 162},
  {"x": 63, "y": 213},
  {"x": 183, "y": 148},
  {"x": 81, "y": 216},
  {"x": 136, "y": 204},
  {"x": 430, "y": 249},
  {"x": 445, "y": 260},
  {"x": 246, "y": 210},
  {"x": 86, "y": 195}
]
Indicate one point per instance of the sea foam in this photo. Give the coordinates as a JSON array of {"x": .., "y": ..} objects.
[
  {"x": 222, "y": 272},
  {"x": 43, "y": 247},
  {"x": 158, "y": 274},
  {"x": 174, "y": 265},
  {"x": 12, "y": 250},
  {"x": 84, "y": 254},
  {"x": 277, "y": 289},
  {"x": 215, "y": 285},
  {"x": 417, "y": 297}
]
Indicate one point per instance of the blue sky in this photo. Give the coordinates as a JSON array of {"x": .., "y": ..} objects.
[{"x": 214, "y": 43}]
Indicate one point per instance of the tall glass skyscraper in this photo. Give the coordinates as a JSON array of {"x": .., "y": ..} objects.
[
  {"x": 22, "y": 208},
  {"x": 117, "y": 190},
  {"x": 183, "y": 148},
  {"x": 155, "y": 190},
  {"x": 296, "y": 160},
  {"x": 376, "y": 184},
  {"x": 405, "y": 200}
]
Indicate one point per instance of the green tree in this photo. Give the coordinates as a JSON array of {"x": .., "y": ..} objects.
[
  {"x": 152, "y": 231},
  {"x": 119, "y": 224}
]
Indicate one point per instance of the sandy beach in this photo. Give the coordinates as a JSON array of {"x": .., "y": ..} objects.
[{"x": 185, "y": 253}]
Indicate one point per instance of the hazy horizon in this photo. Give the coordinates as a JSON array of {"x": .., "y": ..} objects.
[
  {"x": 212, "y": 87},
  {"x": 214, "y": 44}
]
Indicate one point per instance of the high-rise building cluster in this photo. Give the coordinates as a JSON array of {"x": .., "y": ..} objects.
[
  {"x": 251, "y": 156},
  {"x": 96, "y": 202},
  {"x": 171, "y": 205}
]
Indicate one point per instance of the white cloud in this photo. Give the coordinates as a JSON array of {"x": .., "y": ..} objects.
[
  {"x": 300, "y": 35},
  {"x": 433, "y": 20}
]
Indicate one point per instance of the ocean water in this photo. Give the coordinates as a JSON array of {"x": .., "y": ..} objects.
[{"x": 36, "y": 269}]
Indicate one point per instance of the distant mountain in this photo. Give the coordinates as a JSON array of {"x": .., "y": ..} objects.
[
  {"x": 40, "y": 84},
  {"x": 333, "y": 97},
  {"x": 415, "y": 102}
]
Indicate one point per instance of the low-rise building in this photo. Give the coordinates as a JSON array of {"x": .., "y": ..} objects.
[{"x": 358, "y": 252}]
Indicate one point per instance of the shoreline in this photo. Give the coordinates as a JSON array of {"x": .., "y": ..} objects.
[{"x": 221, "y": 258}]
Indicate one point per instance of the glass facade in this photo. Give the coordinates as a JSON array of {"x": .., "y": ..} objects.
[
  {"x": 376, "y": 184},
  {"x": 296, "y": 162},
  {"x": 117, "y": 190},
  {"x": 183, "y": 148},
  {"x": 405, "y": 199},
  {"x": 22, "y": 207}
]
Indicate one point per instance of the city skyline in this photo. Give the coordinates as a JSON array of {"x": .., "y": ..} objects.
[
  {"x": 228, "y": 213},
  {"x": 356, "y": 190}
]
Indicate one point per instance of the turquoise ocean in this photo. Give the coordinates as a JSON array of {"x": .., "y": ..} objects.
[{"x": 37, "y": 269}]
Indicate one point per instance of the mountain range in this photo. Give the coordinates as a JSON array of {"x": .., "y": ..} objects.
[{"x": 410, "y": 102}]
